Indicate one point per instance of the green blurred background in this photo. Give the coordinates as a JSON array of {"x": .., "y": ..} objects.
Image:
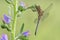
[{"x": 49, "y": 29}]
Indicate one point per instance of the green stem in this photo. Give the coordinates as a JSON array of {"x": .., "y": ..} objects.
[{"x": 14, "y": 22}]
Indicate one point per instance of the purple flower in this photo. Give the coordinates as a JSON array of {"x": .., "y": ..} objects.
[
  {"x": 26, "y": 33},
  {"x": 4, "y": 37},
  {"x": 22, "y": 4},
  {"x": 6, "y": 19}
]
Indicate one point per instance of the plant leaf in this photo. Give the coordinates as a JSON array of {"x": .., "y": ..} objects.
[
  {"x": 33, "y": 8},
  {"x": 23, "y": 38},
  {"x": 8, "y": 1},
  {"x": 3, "y": 26},
  {"x": 22, "y": 27},
  {"x": 8, "y": 29},
  {"x": 20, "y": 8}
]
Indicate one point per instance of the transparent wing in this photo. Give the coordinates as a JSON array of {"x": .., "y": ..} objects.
[
  {"x": 46, "y": 12},
  {"x": 35, "y": 20}
]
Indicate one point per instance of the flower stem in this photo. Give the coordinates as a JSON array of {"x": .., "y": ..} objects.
[{"x": 14, "y": 22}]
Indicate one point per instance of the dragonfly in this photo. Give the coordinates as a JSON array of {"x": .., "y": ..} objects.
[{"x": 41, "y": 14}]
